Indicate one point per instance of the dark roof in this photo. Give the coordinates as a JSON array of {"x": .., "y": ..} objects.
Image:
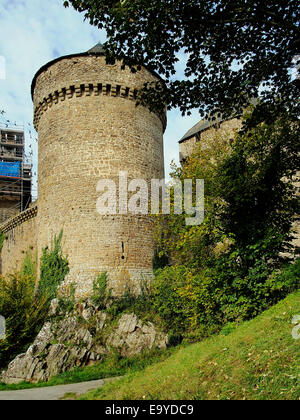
[
  {"x": 207, "y": 123},
  {"x": 96, "y": 50},
  {"x": 201, "y": 126}
]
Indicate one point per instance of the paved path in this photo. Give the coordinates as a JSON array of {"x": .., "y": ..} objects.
[{"x": 52, "y": 392}]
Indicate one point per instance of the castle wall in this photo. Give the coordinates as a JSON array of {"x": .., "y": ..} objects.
[
  {"x": 8, "y": 209},
  {"x": 21, "y": 238},
  {"x": 226, "y": 129},
  {"x": 90, "y": 129}
]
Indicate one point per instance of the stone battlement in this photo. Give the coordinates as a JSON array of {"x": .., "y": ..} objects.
[
  {"x": 19, "y": 219},
  {"x": 87, "y": 89}
]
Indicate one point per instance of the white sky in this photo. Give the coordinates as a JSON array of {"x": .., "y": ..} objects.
[{"x": 34, "y": 32}]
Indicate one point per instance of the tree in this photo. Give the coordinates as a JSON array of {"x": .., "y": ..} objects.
[
  {"x": 250, "y": 198},
  {"x": 196, "y": 246},
  {"x": 257, "y": 183},
  {"x": 236, "y": 49},
  {"x": 230, "y": 267}
]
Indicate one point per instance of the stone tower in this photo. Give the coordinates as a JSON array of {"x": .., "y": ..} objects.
[{"x": 90, "y": 129}]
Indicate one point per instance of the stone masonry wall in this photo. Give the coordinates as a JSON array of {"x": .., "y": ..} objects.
[
  {"x": 90, "y": 129},
  {"x": 8, "y": 209},
  {"x": 227, "y": 129},
  {"x": 21, "y": 237}
]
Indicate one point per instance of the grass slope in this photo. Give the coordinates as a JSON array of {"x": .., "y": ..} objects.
[{"x": 259, "y": 360}]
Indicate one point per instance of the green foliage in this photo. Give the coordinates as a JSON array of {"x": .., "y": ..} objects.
[
  {"x": 187, "y": 300},
  {"x": 129, "y": 302},
  {"x": 54, "y": 268},
  {"x": 229, "y": 328},
  {"x": 67, "y": 298},
  {"x": 100, "y": 293},
  {"x": 170, "y": 305},
  {"x": 24, "y": 309},
  {"x": 195, "y": 246},
  {"x": 140, "y": 304},
  {"x": 160, "y": 260},
  {"x": 29, "y": 267},
  {"x": 255, "y": 182},
  {"x": 205, "y": 300},
  {"x": 231, "y": 267},
  {"x": 24, "y": 313},
  {"x": 284, "y": 280},
  {"x": 235, "y": 50}
]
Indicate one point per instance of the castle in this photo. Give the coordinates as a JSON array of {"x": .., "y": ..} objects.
[{"x": 89, "y": 129}]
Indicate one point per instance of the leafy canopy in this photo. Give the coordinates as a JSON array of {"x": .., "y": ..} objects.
[
  {"x": 235, "y": 49},
  {"x": 257, "y": 184},
  {"x": 250, "y": 198}
]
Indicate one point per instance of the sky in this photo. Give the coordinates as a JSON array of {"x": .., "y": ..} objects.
[{"x": 34, "y": 32}]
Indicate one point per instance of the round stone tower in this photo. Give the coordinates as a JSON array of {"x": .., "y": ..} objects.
[{"x": 90, "y": 129}]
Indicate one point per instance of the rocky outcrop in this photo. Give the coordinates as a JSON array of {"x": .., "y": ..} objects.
[
  {"x": 132, "y": 336},
  {"x": 82, "y": 337}
]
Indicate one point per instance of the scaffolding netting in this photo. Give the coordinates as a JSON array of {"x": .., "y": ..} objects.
[{"x": 10, "y": 169}]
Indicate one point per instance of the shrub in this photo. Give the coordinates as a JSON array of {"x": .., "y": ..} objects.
[
  {"x": 284, "y": 281},
  {"x": 24, "y": 313},
  {"x": 140, "y": 304},
  {"x": 175, "y": 310},
  {"x": 256, "y": 184},
  {"x": 100, "y": 293},
  {"x": 197, "y": 303},
  {"x": 29, "y": 267},
  {"x": 245, "y": 295},
  {"x": 54, "y": 268},
  {"x": 232, "y": 266},
  {"x": 67, "y": 298},
  {"x": 25, "y": 310}
]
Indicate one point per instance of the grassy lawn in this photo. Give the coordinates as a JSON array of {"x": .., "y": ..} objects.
[{"x": 259, "y": 360}]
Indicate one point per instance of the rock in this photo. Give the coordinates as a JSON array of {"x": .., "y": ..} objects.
[
  {"x": 100, "y": 320},
  {"x": 2, "y": 327},
  {"x": 99, "y": 351},
  {"x": 54, "y": 307},
  {"x": 128, "y": 323},
  {"x": 88, "y": 313},
  {"x": 43, "y": 338},
  {"x": 57, "y": 360},
  {"x": 15, "y": 371},
  {"x": 81, "y": 338},
  {"x": 132, "y": 336},
  {"x": 80, "y": 306}
]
